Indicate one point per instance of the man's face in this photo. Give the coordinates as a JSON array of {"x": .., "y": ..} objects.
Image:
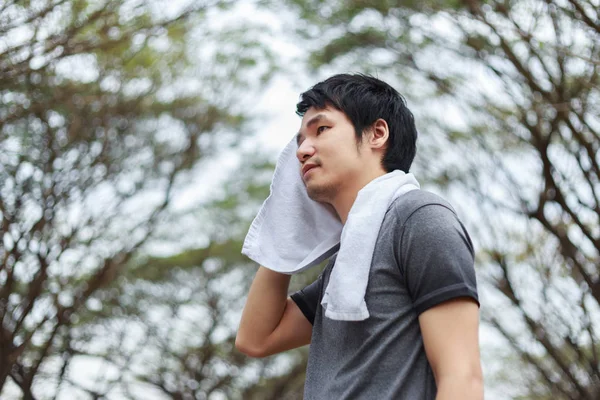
[{"x": 328, "y": 153}]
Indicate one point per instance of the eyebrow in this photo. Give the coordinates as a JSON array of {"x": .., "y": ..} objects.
[{"x": 310, "y": 122}]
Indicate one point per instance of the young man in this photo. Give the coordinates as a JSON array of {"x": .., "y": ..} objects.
[{"x": 420, "y": 340}]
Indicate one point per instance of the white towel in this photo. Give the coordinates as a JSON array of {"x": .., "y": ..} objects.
[{"x": 293, "y": 232}]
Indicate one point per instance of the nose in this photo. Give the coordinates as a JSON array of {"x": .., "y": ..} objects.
[{"x": 305, "y": 151}]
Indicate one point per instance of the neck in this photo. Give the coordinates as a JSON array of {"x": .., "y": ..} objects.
[{"x": 344, "y": 201}]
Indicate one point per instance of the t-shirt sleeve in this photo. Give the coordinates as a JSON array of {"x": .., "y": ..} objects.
[
  {"x": 307, "y": 299},
  {"x": 436, "y": 257}
]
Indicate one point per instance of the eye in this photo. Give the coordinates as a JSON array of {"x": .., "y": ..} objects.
[{"x": 321, "y": 129}]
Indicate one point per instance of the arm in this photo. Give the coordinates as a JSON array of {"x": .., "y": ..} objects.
[
  {"x": 438, "y": 264},
  {"x": 451, "y": 339},
  {"x": 271, "y": 322}
]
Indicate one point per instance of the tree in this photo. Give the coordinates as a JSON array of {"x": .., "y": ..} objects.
[
  {"x": 506, "y": 93},
  {"x": 178, "y": 314},
  {"x": 106, "y": 109}
]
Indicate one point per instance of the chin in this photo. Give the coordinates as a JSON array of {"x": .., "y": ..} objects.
[{"x": 320, "y": 193}]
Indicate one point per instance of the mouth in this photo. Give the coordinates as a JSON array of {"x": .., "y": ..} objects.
[{"x": 306, "y": 170}]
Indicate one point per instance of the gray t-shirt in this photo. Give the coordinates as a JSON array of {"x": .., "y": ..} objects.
[{"x": 423, "y": 257}]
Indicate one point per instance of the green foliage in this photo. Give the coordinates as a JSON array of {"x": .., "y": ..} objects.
[
  {"x": 103, "y": 112},
  {"x": 368, "y": 38},
  {"x": 199, "y": 292}
]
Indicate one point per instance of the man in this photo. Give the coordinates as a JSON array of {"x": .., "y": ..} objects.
[{"x": 420, "y": 340}]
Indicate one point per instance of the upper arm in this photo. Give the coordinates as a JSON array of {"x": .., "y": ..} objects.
[
  {"x": 294, "y": 330},
  {"x": 436, "y": 257},
  {"x": 437, "y": 262},
  {"x": 450, "y": 333}
]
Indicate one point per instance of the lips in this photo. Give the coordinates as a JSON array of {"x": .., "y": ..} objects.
[{"x": 307, "y": 168}]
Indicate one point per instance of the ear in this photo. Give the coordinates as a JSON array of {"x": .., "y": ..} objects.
[{"x": 379, "y": 134}]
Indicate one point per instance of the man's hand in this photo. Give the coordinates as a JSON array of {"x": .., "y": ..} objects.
[{"x": 451, "y": 337}]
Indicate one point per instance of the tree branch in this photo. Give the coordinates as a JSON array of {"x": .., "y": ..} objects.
[{"x": 586, "y": 18}]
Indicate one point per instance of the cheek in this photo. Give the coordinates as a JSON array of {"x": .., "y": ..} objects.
[{"x": 348, "y": 155}]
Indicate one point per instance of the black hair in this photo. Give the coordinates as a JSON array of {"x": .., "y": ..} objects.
[{"x": 364, "y": 99}]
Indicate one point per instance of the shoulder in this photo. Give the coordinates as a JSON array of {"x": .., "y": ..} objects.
[
  {"x": 420, "y": 218},
  {"x": 423, "y": 220},
  {"x": 404, "y": 207}
]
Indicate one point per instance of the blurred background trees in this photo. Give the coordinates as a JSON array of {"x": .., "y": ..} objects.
[
  {"x": 107, "y": 109},
  {"x": 122, "y": 219}
]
